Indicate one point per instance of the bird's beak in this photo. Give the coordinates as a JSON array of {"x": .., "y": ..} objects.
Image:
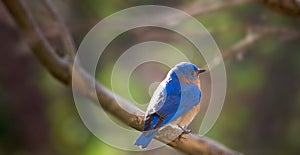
[{"x": 199, "y": 71}]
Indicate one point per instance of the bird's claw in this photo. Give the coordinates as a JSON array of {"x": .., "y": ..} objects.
[
  {"x": 140, "y": 119},
  {"x": 185, "y": 131}
]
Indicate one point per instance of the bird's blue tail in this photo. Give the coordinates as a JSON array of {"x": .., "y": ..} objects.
[{"x": 144, "y": 139}]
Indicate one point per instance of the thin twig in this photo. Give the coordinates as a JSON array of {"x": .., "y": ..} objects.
[
  {"x": 289, "y": 7},
  {"x": 256, "y": 33},
  {"x": 66, "y": 35},
  {"x": 200, "y": 8}
]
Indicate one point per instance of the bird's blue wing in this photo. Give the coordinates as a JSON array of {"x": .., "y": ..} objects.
[
  {"x": 165, "y": 110},
  {"x": 170, "y": 101},
  {"x": 162, "y": 107}
]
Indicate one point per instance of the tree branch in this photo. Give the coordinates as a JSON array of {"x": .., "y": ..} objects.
[
  {"x": 290, "y": 7},
  {"x": 68, "y": 42},
  {"x": 256, "y": 33},
  {"x": 200, "y": 8},
  {"x": 59, "y": 67},
  {"x": 41, "y": 48}
]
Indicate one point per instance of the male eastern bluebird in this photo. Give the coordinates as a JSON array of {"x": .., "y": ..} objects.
[{"x": 176, "y": 101}]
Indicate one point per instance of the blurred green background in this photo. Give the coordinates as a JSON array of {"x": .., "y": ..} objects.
[{"x": 261, "y": 114}]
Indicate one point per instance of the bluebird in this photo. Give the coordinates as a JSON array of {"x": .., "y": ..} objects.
[{"x": 176, "y": 100}]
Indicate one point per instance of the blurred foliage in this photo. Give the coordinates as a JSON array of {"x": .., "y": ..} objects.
[{"x": 261, "y": 114}]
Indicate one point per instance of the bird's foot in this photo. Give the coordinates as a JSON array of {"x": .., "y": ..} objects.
[
  {"x": 184, "y": 129},
  {"x": 140, "y": 119}
]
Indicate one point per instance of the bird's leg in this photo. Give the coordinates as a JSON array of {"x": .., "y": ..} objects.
[{"x": 184, "y": 129}]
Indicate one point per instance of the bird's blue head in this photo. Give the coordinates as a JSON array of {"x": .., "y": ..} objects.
[{"x": 187, "y": 71}]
